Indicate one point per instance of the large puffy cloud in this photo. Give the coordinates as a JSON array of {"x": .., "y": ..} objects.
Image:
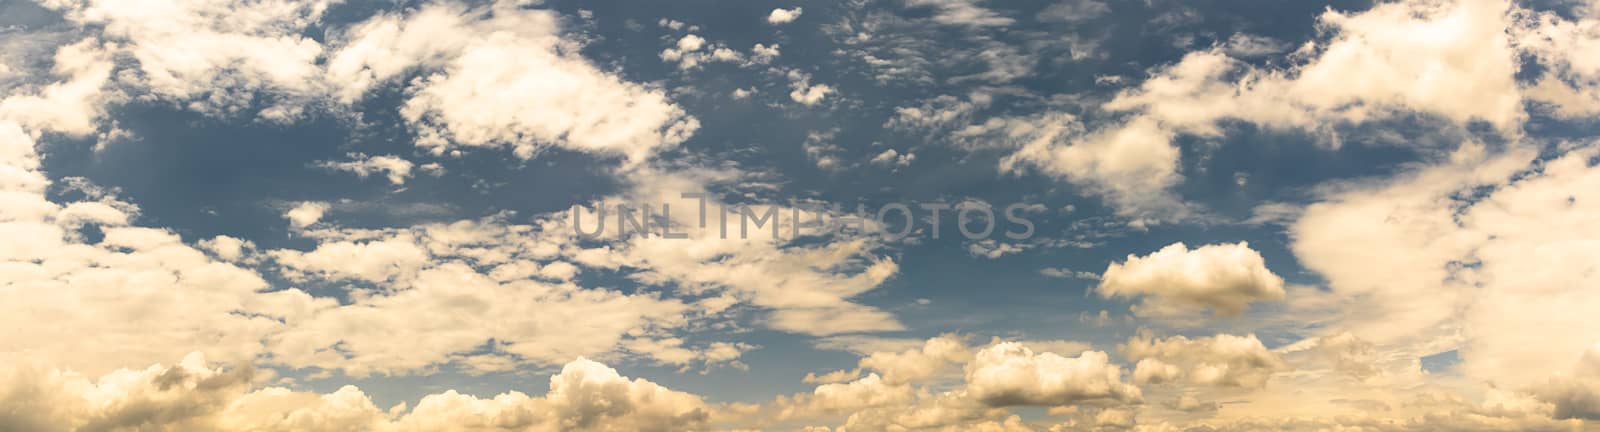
[
  {"x": 1009, "y": 373},
  {"x": 213, "y": 57},
  {"x": 928, "y": 361},
  {"x": 1570, "y": 81},
  {"x": 1495, "y": 267},
  {"x": 1576, "y": 394},
  {"x": 1131, "y": 164},
  {"x": 1223, "y": 277},
  {"x": 168, "y": 298},
  {"x": 935, "y": 356},
  {"x": 183, "y": 396},
  {"x": 1216, "y": 366},
  {"x": 1366, "y": 69},
  {"x": 1220, "y": 360},
  {"x": 992, "y": 379},
  {"x": 196, "y": 395},
  {"x": 1410, "y": 288},
  {"x": 231, "y": 57},
  {"x": 1343, "y": 352},
  {"x": 504, "y": 76},
  {"x": 70, "y": 106},
  {"x": 1533, "y": 280}
]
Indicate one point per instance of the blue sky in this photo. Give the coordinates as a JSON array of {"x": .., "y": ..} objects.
[{"x": 1261, "y": 215}]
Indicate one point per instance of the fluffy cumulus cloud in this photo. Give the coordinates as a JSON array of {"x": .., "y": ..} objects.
[
  {"x": 1576, "y": 394},
  {"x": 947, "y": 384},
  {"x": 1571, "y": 82},
  {"x": 228, "y": 58},
  {"x": 804, "y": 92},
  {"x": 1362, "y": 69},
  {"x": 197, "y": 395},
  {"x": 215, "y": 57},
  {"x": 1225, "y": 278},
  {"x": 1012, "y": 374},
  {"x": 71, "y": 105},
  {"x": 784, "y": 16},
  {"x": 305, "y": 214},
  {"x": 1220, "y": 360},
  {"x": 937, "y": 356},
  {"x": 1526, "y": 221},
  {"x": 544, "y": 95}
]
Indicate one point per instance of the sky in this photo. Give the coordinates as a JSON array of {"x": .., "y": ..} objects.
[{"x": 867, "y": 215}]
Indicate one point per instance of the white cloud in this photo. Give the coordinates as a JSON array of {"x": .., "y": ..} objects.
[
  {"x": 783, "y": 16},
  {"x": 1066, "y": 273},
  {"x": 685, "y": 52},
  {"x": 1346, "y": 353},
  {"x": 1420, "y": 295},
  {"x": 1475, "y": 272},
  {"x": 51, "y": 272},
  {"x": 821, "y": 149},
  {"x": 1571, "y": 79},
  {"x": 1073, "y": 11},
  {"x": 691, "y": 43},
  {"x": 195, "y": 395},
  {"x": 921, "y": 388},
  {"x": 214, "y": 57},
  {"x": 1245, "y": 45},
  {"x": 1576, "y": 394},
  {"x": 1155, "y": 371},
  {"x": 227, "y": 248},
  {"x": 961, "y": 12},
  {"x": 1223, "y": 277},
  {"x": 692, "y": 51},
  {"x": 992, "y": 249},
  {"x": 377, "y": 260},
  {"x": 1365, "y": 70},
  {"x": 803, "y": 91},
  {"x": 1131, "y": 165},
  {"x": 671, "y": 351},
  {"x": 939, "y": 113},
  {"x": 305, "y": 214},
  {"x": 763, "y": 54},
  {"x": 1220, "y": 360},
  {"x": 868, "y": 392},
  {"x": 935, "y": 357},
  {"x": 1009, "y": 373},
  {"x": 536, "y": 101},
  {"x": 71, "y": 106},
  {"x": 893, "y": 158},
  {"x": 395, "y": 169}
]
